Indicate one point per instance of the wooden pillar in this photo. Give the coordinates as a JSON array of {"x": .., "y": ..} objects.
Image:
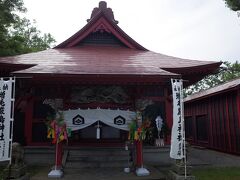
[
  {"x": 59, "y": 154},
  {"x": 169, "y": 114},
  {"x": 139, "y": 154},
  {"x": 209, "y": 110},
  {"x": 238, "y": 106},
  {"x": 28, "y": 122},
  {"x": 228, "y": 126},
  {"x": 238, "y": 114}
]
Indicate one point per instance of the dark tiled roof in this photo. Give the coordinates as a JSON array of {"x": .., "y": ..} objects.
[{"x": 215, "y": 90}]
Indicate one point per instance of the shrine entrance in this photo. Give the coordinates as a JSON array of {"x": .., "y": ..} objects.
[
  {"x": 98, "y": 127},
  {"x": 108, "y": 136}
]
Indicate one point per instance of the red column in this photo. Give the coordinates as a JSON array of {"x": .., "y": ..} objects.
[
  {"x": 228, "y": 126},
  {"x": 238, "y": 106},
  {"x": 139, "y": 154},
  {"x": 59, "y": 154},
  {"x": 169, "y": 116},
  {"x": 28, "y": 122}
]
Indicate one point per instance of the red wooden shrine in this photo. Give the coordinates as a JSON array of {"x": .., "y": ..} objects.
[{"x": 100, "y": 55}]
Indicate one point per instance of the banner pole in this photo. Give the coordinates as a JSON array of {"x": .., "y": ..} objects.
[
  {"x": 185, "y": 157},
  {"x": 12, "y": 109},
  {"x": 56, "y": 156},
  {"x": 184, "y": 140}
]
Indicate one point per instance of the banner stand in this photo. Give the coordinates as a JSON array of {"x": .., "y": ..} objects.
[
  {"x": 140, "y": 170},
  {"x": 178, "y": 141},
  {"x": 57, "y": 171},
  {"x": 184, "y": 137},
  {"x": 7, "y": 98}
]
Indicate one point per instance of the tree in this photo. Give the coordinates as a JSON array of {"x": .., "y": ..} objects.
[
  {"x": 233, "y": 4},
  {"x": 25, "y": 38},
  {"x": 19, "y": 35},
  {"x": 228, "y": 71}
]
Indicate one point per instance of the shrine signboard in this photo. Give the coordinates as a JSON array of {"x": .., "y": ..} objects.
[
  {"x": 177, "y": 138},
  {"x": 6, "y": 117}
]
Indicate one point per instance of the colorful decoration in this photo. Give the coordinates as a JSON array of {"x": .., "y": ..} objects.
[
  {"x": 138, "y": 133},
  {"x": 57, "y": 130},
  {"x": 132, "y": 130}
]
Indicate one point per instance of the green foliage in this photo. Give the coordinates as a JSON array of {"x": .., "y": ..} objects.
[
  {"x": 233, "y": 4},
  {"x": 228, "y": 71},
  {"x": 19, "y": 35},
  {"x": 8, "y": 9},
  {"x": 132, "y": 129},
  {"x": 217, "y": 173}
]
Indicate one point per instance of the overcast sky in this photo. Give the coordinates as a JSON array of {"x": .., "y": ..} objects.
[{"x": 193, "y": 29}]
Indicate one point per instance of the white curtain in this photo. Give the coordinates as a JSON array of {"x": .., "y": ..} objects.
[{"x": 82, "y": 118}]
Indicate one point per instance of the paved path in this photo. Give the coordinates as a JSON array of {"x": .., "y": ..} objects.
[
  {"x": 99, "y": 174},
  {"x": 198, "y": 157},
  {"x": 206, "y": 157}
]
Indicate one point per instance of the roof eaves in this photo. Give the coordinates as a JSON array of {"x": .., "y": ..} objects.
[
  {"x": 208, "y": 65},
  {"x": 211, "y": 92}
]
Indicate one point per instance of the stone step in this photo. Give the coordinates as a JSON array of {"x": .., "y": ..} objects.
[
  {"x": 98, "y": 152},
  {"x": 99, "y": 164},
  {"x": 39, "y": 155},
  {"x": 96, "y": 158},
  {"x": 39, "y": 150}
]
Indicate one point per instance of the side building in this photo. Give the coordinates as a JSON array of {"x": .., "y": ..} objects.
[{"x": 212, "y": 117}]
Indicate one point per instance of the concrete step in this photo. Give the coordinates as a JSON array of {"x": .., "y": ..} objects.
[
  {"x": 95, "y": 164},
  {"x": 98, "y": 152},
  {"x": 39, "y": 155},
  {"x": 39, "y": 149},
  {"x": 96, "y": 158}
]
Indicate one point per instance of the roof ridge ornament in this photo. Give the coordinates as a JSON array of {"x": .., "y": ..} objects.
[{"x": 103, "y": 8}]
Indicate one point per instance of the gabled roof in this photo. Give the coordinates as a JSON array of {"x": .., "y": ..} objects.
[
  {"x": 228, "y": 86},
  {"x": 102, "y": 19},
  {"x": 102, "y": 47}
]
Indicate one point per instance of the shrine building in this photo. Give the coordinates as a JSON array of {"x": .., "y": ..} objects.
[
  {"x": 212, "y": 117},
  {"x": 100, "y": 76}
]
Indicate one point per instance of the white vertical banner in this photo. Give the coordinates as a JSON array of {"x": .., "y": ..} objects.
[
  {"x": 177, "y": 138},
  {"x": 7, "y": 93}
]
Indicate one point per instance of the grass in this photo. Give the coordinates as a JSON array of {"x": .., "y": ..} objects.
[
  {"x": 1, "y": 171},
  {"x": 206, "y": 173},
  {"x": 217, "y": 173},
  {"x": 32, "y": 170}
]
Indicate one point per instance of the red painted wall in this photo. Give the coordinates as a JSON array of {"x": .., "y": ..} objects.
[{"x": 222, "y": 115}]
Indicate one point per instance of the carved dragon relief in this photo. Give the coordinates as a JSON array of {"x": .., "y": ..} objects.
[{"x": 101, "y": 94}]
